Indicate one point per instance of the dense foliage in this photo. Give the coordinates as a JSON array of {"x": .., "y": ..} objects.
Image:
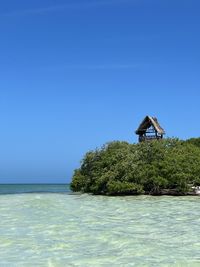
[
  {"x": 120, "y": 168},
  {"x": 194, "y": 141}
]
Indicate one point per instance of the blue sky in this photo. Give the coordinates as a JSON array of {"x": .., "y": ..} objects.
[{"x": 75, "y": 74}]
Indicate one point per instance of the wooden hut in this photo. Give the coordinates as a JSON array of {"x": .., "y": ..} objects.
[{"x": 150, "y": 129}]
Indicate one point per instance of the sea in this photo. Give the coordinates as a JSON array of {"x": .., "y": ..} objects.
[{"x": 48, "y": 225}]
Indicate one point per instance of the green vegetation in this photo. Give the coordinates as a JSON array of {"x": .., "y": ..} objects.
[
  {"x": 155, "y": 167},
  {"x": 194, "y": 141}
]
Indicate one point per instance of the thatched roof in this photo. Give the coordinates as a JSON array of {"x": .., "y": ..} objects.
[{"x": 147, "y": 123}]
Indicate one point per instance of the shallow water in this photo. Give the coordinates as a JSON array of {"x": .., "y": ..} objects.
[{"x": 64, "y": 229}]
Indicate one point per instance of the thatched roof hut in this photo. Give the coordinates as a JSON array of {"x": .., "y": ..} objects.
[{"x": 150, "y": 129}]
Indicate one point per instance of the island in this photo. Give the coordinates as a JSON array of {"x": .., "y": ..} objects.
[{"x": 158, "y": 167}]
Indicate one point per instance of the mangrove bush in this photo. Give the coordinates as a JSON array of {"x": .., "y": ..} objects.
[{"x": 120, "y": 168}]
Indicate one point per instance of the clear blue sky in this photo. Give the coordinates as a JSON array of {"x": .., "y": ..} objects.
[{"x": 75, "y": 74}]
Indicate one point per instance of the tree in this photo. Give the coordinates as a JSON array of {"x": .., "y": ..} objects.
[{"x": 120, "y": 168}]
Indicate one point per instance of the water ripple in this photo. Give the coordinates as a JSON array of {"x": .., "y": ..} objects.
[{"x": 83, "y": 230}]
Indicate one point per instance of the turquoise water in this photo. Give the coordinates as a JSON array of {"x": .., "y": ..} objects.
[
  {"x": 65, "y": 229},
  {"x": 33, "y": 188}
]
